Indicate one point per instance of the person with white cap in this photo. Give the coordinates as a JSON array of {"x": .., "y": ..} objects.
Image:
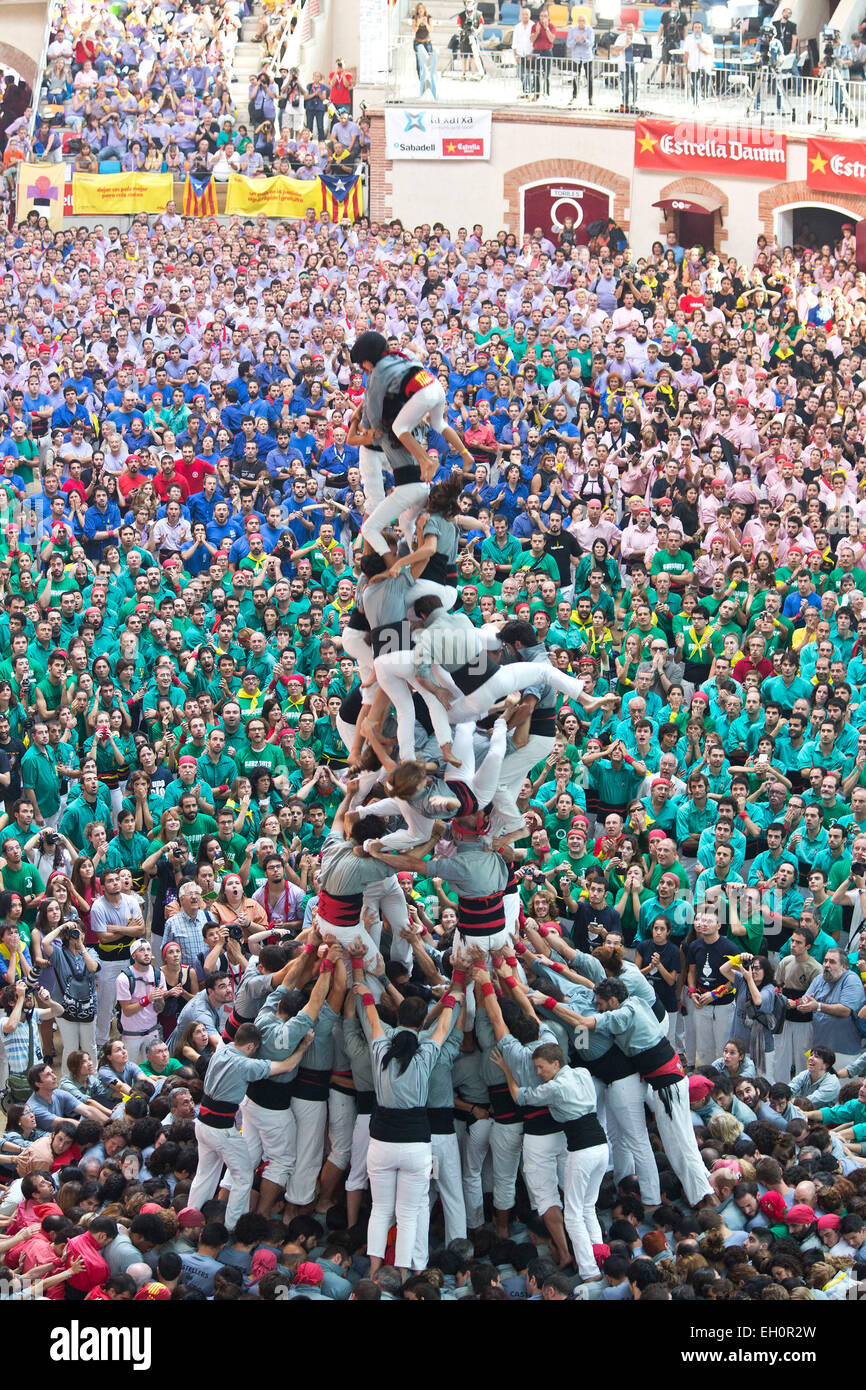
[{"x": 140, "y": 1000}]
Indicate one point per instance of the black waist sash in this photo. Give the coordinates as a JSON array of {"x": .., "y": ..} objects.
[
  {"x": 358, "y": 621},
  {"x": 584, "y": 1133},
  {"x": 540, "y": 1121},
  {"x": 218, "y": 1114},
  {"x": 400, "y": 1126},
  {"x": 612, "y": 1066},
  {"x": 340, "y": 909},
  {"x": 505, "y": 1110},
  {"x": 481, "y": 916},
  {"x": 441, "y": 1119},
  {"x": 270, "y": 1094},
  {"x": 311, "y": 1084}
]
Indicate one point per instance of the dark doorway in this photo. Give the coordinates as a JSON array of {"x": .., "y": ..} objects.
[
  {"x": 813, "y": 226},
  {"x": 697, "y": 229}
]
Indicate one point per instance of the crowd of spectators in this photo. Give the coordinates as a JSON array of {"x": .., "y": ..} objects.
[
  {"x": 667, "y": 485},
  {"x": 149, "y": 89}
]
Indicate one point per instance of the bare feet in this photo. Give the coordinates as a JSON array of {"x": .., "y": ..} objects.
[
  {"x": 448, "y": 757},
  {"x": 443, "y": 803}
]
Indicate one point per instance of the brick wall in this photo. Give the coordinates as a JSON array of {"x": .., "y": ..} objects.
[
  {"x": 381, "y": 188},
  {"x": 681, "y": 188},
  {"x": 577, "y": 169},
  {"x": 782, "y": 195}
]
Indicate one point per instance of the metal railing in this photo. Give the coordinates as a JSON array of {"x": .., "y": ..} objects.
[{"x": 735, "y": 89}]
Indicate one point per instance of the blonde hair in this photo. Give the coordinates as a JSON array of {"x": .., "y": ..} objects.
[{"x": 726, "y": 1128}]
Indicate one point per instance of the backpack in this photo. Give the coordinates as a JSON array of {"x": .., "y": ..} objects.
[
  {"x": 133, "y": 981},
  {"x": 773, "y": 1019},
  {"x": 79, "y": 994}
]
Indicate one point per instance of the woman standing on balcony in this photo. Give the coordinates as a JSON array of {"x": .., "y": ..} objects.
[{"x": 425, "y": 56}]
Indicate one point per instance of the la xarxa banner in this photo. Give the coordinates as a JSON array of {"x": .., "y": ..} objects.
[
  {"x": 436, "y": 133},
  {"x": 100, "y": 195},
  {"x": 836, "y": 165},
  {"x": 691, "y": 147},
  {"x": 276, "y": 197}
]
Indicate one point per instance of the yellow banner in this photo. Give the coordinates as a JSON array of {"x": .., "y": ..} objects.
[
  {"x": 103, "y": 194},
  {"x": 40, "y": 189},
  {"x": 276, "y": 197}
]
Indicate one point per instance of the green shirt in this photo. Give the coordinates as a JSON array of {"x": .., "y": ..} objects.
[
  {"x": 27, "y": 882},
  {"x": 39, "y": 775}
]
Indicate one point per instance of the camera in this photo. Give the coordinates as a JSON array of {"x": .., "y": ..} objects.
[
  {"x": 858, "y": 867},
  {"x": 235, "y": 932},
  {"x": 70, "y": 934},
  {"x": 828, "y": 46},
  {"x": 50, "y": 837}
]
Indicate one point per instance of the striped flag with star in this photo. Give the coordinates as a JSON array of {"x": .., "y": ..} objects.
[
  {"x": 199, "y": 197},
  {"x": 342, "y": 196}
]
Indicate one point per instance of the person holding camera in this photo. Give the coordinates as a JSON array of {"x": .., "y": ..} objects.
[
  {"x": 75, "y": 970},
  {"x": 222, "y": 952}
]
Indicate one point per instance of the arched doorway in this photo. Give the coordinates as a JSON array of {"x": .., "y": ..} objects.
[
  {"x": 696, "y": 210},
  {"x": 812, "y": 224},
  {"x": 778, "y": 204},
  {"x": 596, "y": 182}
]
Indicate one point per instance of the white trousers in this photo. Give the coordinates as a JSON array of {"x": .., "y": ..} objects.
[
  {"x": 311, "y": 1117},
  {"x": 362, "y": 654},
  {"x": 137, "y": 1044},
  {"x": 448, "y": 1182},
  {"x": 629, "y": 1141},
  {"x": 483, "y": 779},
  {"x": 544, "y": 1169},
  {"x": 506, "y": 1148},
  {"x": 371, "y": 465},
  {"x": 399, "y": 1187},
  {"x": 514, "y": 771},
  {"x": 358, "y": 1179},
  {"x": 218, "y": 1148},
  {"x": 341, "y": 1125},
  {"x": 792, "y": 1044},
  {"x": 476, "y": 1144},
  {"x": 677, "y": 1133},
  {"x": 584, "y": 1173},
  {"x": 270, "y": 1135},
  {"x": 713, "y": 1026},
  {"x": 345, "y": 936},
  {"x": 385, "y": 899},
  {"x": 395, "y": 673},
  {"x": 509, "y": 680},
  {"x": 402, "y": 505},
  {"x": 106, "y": 997},
  {"x": 77, "y": 1037},
  {"x": 430, "y": 400}
]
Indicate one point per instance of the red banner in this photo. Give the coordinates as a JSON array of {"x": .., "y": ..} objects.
[
  {"x": 463, "y": 149},
  {"x": 690, "y": 147},
  {"x": 838, "y": 165}
]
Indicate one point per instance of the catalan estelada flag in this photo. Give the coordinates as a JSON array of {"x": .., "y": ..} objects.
[
  {"x": 342, "y": 196},
  {"x": 199, "y": 197}
]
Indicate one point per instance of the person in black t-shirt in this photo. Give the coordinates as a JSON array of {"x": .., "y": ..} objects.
[
  {"x": 564, "y": 549},
  {"x": 709, "y": 991},
  {"x": 593, "y": 918},
  {"x": 660, "y": 960},
  {"x": 13, "y": 751}
]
